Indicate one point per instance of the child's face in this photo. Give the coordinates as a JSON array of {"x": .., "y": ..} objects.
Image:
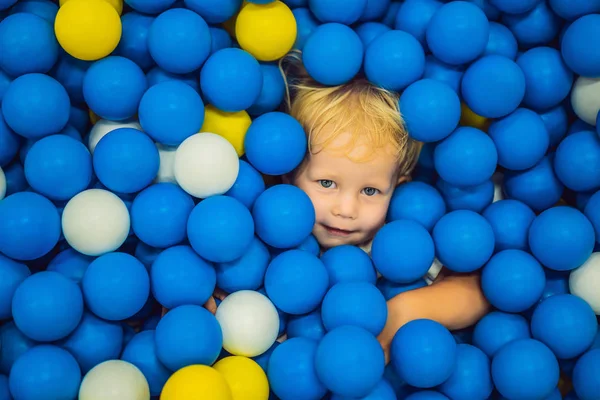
[{"x": 350, "y": 198}]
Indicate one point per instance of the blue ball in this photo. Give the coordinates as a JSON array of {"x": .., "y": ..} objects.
[
  {"x": 29, "y": 226},
  {"x": 94, "y": 341},
  {"x": 343, "y": 11},
  {"x": 501, "y": 42},
  {"x": 79, "y": 118},
  {"x": 465, "y": 158},
  {"x": 426, "y": 395},
  {"x": 354, "y": 303},
  {"x": 417, "y": 201},
  {"x": 28, "y": 44},
  {"x": 71, "y": 264},
  {"x": 71, "y": 72},
  {"x": 497, "y": 97},
  {"x": 220, "y": 229},
  {"x": 592, "y": 212},
  {"x": 403, "y": 251},
  {"x": 263, "y": 359},
  {"x": 246, "y": 272},
  {"x": 214, "y": 11},
  {"x": 158, "y": 75},
  {"x": 12, "y": 274},
  {"x": 284, "y": 216},
  {"x": 220, "y": 39},
  {"x": 272, "y": 92},
  {"x": 471, "y": 378},
  {"x": 566, "y": 324},
  {"x": 536, "y": 27},
  {"x": 497, "y": 329},
  {"x": 188, "y": 335},
  {"x": 525, "y": 368},
  {"x": 577, "y": 161},
  {"x": 150, "y": 6},
  {"x": 556, "y": 123},
  {"x": 582, "y": 60},
  {"x": 292, "y": 371},
  {"x": 464, "y": 240},
  {"x": 474, "y": 198},
  {"x": 115, "y": 286},
  {"x": 179, "y": 276},
  {"x": 451, "y": 75},
  {"x": 47, "y": 306},
  {"x": 537, "y": 187},
  {"x": 306, "y": 23},
  {"x": 368, "y": 31},
  {"x": 390, "y": 289},
  {"x": 113, "y": 88},
  {"x": 458, "y": 32},
  {"x": 9, "y": 143},
  {"x": 382, "y": 391},
  {"x": 296, "y": 282},
  {"x": 179, "y": 41},
  {"x": 58, "y": 167},
  {"x": 4, "y": 389},
  {"x": 348, "y": 263},
  {"x": 248, "y": 185},
  {"x": 513, "y": 280},
  {"x": 336, "y": 365},
  {"x": 15, "y": 179},
  {"x": 578, "y": 125},
  {"x": 375, "y": 10},
  {"x": 275, "y": 143},
  {"x": 510, "y": 220},
  {"x": 231, "y": 80},
  {"x": 395, "y": 60},
  {"x": 561, "y": 238},
  {"x": 333, "y": 54},
  {"x": 14, "y": 344},
  {"x": 306, "y": 325},
  {"x": 572, "y": 9},
  {"x": 585, "y": 375},
  {"x": 46, "y": 372},
  {"x": 514, "y": 6},
  {"x": 170, "y": 112},
  {"x": 521, "y": 139},
  {"x": 389, "y": 17},
  {"x": 431, "y": 110},
  {"x": 134, "y": 39},
  {"x": 126, "y": 160},
  {"x": 414, "y": 17},
  {"x": 42, "y": 8},
  {"x": 141, "y": 352},
  {"x": 424, "y": 354},
  {"x": 159, "y": 214},
  {"x": 39, "y": 95}
]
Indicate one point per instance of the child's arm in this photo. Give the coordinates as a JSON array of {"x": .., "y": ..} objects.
[{"x": 455, "y": 301}]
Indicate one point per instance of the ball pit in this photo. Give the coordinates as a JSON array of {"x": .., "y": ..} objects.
[{"x": 149, "y": 250}]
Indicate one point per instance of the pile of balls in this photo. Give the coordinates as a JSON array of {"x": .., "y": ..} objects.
[{"x": 140, "y": 144}]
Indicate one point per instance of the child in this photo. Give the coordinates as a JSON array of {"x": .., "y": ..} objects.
[{"x": 359, "y": 152}]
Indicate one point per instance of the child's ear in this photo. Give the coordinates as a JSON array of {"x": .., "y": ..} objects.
[{"x": 403, "y": 179}]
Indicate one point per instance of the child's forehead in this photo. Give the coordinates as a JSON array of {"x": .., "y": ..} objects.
[{"x": 351, "y": 145}]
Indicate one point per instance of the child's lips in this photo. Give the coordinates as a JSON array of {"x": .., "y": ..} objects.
[{"x": 337, "y": 231}]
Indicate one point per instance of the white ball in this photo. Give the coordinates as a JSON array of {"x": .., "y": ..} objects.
[
  {"x": 249, "y": 321},
  {"x": 166, "y": 169},
  {"x": 104, "y": 126},
  {"x": 585, "y": 99},
  {"x": 206, "y": 164},
  {"x": 95, "y": 222},
  {"x": 2, "y": 184},
  {"x": 114, "y": 380},
  {"x": 584, "y": 282}
]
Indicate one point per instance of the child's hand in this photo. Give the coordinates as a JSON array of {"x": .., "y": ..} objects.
[
  {"x": 211, "y": 303},
  {"x": 399, "y": 313}
]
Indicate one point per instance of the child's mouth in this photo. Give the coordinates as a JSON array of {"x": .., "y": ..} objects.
[{"x": 336, "y": 231}]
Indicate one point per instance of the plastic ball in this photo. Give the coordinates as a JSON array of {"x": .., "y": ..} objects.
[
  {"x": 44, "y": 372},
  {"x": 395, "y": 60},
  {"x": 248, "y": 185},
  {"x": 403, "y": 251},
  {"x": 583, "y": 282},
  {"x": 336, "y": 361},
  {"x": 375, "y": 10},
  {"x": 555, "y": 120},
  {"x": 426, "y": 395},
  {"x": 214, "y": 11},
  {"x": 458, "y": 32},
  {"x": 272, "y": 93},
  {"x": 464, "y": 240},
  {"x": 306, "y": 325},
  {"x": 451, "y": 75},
  {"x": 134, "y": 39},
  {"x": 292, "y": 370},
  {"x": 158, "y": 75},
  {"x": 116, "y": 4},
  {"x": 165, "y": 173},
  {"x": 113, "y": 299},
  {"x": 368, "y": 31},
  {"x": 343, "y": 12},
  {"x": 94, "y": 341},
  {"x": 465, "y": 158},
  {"x": 114, "y": 378},
  {"x": 231, "y": 80},
  {"x": 497, "y": 329},
  {"x": 179, "y": 41},
  {"x": 275, "y": 143},
  {"x": 103, "y": 127},
  {"x": 347, "y": 263},
  {"x": 423, "y": 353},
  {"x": 88, "y": 30},
  {"x": 10, "y": 143},
  {"x": 584, "y": 375},
  {"x": 585, "y": 100},
  {"x": 220, "y": 229},
  {"x": 44, "y": 9},
  {"x": 29, "y": 226},
  {"x": 246, "y": 272},
  {"x": 232, "y": 126},
  {"x": 150, "y": 6},
  {"x": 536, "y": 27},
  {"x": 417, "y": 201},
  {"x": 510, "y": 220},
  {"x": 333, "y": 54},
  {"x": 514, "y": 6},
  {"x": 12, "y": 180},
  {"x": 206, "y": 164},
  {"x": 14, "y": 344},
  {"x": 501, "y": 42},
  {"x": 171, "y": 112},
  {"x": 471, "y": 378},
  {"x": 414, "y": 17},
  {"x": 140, "y": 351},
  {"x": 561, "y": 238},
  {"x": 4, "y": 388},
  {"x": 196, "y": 381},
  {"x": 525, "y": 368},
  {"x": 12, "y": 274},
  {"x": 582, "y": 60},
  {"x": 39, "y": 95},
  {"x": 267, "y": 31},
  {"x": 188, "y": 335},
  {"x": 513, "y": 280},
  {"x": 179, "y": 276},
  {"x": 571, "y": 10},
  {"x": 497, "y": 98},
  {"x": 474, "y": 198},
  {"x": 284, "y": 216},
  {"x": 245, "y": 377}
]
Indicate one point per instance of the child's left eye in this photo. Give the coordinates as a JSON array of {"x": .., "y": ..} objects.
[{"x": 370, "y": 191}]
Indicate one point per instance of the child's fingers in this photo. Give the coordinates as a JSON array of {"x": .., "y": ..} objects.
[{"x": 211, "y": 305}]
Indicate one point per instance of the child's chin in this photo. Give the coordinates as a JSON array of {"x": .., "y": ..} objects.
[{"x": 327, "y": 241}]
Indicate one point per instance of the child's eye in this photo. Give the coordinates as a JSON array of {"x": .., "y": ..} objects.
[
  {"x": 326, "y": 183},
  {"x": 370, "y": 191}
]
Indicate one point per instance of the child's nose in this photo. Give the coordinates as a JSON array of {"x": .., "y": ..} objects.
[{"x": 345, "y": 207}]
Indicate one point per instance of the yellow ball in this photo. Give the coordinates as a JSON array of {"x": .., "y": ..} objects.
[
  {"x": 267, "y": 31},
  {"x": 469, "y": 118},
  {"x": 117, "y": 4},
  {"x": 88, "y": 29},
  {"x": 231, "y": 125},
  {"x": 196, "y": 382},
  {"x": 246, "y": 378}
]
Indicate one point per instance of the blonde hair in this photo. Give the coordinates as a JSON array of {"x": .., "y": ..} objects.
[{"x": 370, "y": 114}]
